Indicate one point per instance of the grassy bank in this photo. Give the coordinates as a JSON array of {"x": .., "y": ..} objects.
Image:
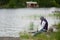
[
  {"x": 45, "y": 35},
  {"x": 42, "y": 36}
]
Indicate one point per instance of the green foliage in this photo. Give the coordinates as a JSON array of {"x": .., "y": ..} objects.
[
  {"x": 3, "y": 2},
  {"x": 58, "y": 35},
  {"x": 55, "y": 15},
  {"x": 25, "y": 36},
  {"x": 22, "y": 3},
  {"x": 31, "y": 26},
  {"x": 58, "y": 1},
  {"x": 43, "y": 36}
]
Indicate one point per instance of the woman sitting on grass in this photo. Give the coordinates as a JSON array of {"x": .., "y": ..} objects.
[{"x": 45, "y": 26}]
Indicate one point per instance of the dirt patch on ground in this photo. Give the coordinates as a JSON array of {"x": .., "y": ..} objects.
[{"x": 9, "y": 38}]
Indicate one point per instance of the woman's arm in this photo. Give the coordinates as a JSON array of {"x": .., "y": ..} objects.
[{"x": 41, "y": 22}]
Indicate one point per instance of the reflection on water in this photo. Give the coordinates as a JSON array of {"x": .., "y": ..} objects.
[{"x": 13, "y": 21}]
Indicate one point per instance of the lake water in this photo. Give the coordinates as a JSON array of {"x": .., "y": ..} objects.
[{"x": 13, "y": 21}]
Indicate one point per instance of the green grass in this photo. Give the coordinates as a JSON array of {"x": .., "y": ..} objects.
[{"x": 42, "y": 36}]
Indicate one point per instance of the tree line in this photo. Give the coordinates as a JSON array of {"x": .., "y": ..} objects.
[{"x": 22, "y": 3}]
